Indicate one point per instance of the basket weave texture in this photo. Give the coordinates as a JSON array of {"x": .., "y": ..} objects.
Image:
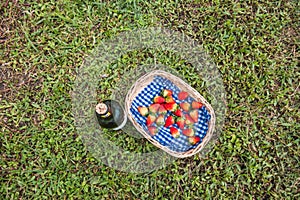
[{"x": 175, "y": 147}]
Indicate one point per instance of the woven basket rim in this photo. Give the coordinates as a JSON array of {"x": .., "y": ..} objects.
[{"x": 144, "y": 81}]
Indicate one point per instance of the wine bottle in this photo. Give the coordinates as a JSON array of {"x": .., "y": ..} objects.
[{"x": 110, "y": 115}]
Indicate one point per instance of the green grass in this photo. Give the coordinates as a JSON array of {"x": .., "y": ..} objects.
[{"x": 256, "y": 49}]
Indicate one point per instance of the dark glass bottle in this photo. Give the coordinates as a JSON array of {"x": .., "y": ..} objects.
[{"x": 110, "y": 115}]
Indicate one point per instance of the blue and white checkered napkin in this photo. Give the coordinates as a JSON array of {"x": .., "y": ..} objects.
[{"x": 145, "y": 98}]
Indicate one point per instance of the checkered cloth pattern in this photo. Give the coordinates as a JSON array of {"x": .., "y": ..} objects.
[{"x": 145, "y": 98}]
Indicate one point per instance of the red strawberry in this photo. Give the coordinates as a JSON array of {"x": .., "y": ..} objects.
[
  {"x": 188, "y": 132},
  {"x": 153, "y": 108},
  {"x": 153, "y": 130},
  {"x": 194, "y": 140},
  {"x": 180, "y": 122},
  {"x": 162, "y": 110},
  {"x": 160, "y": 120},
  {"x": 143, "y": 111},
  {"x": 150, "y": 119},
  {"x": 196, "y": 105},
  {"x": 185, "y": 106},
  {"x": 194, "y": 115},
  {"x": 182, "y": 95},
  {"x": 158, "y": 99},
  {"x": 188, "y": 120},
  {"x": 169, "y": 121},
  {"x": 171, "y": 106},
  {"x": 166, "y": 92},
  {"x": 178, "y": 113},
  {"x": 169, "y": 99},
  {"x": 174, "y": 132}
]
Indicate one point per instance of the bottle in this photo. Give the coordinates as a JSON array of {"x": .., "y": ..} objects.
[{"x": 111, "y": 115}]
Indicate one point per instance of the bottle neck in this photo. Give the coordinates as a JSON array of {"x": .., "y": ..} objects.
[{"x": 103, "y": 110}]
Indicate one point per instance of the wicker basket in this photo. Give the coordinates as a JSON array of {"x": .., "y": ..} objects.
[{"x": 145, "y": 80}]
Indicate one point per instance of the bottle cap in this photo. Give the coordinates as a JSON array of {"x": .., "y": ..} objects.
[{"x": 101, "y": 108}]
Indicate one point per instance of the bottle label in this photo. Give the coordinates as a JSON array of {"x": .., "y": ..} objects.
[{"x": 106, "y": 115}]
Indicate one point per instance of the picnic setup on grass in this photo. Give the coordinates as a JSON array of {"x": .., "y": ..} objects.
[{"x": 165, "y": 110}]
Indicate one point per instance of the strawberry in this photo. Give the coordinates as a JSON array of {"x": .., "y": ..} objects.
[
  {"x": 162, "y": 110},
  {"x": 171, "y": 106},
  {"x": 188, "y": 120},
  {"x": 178, "y": 113},
  {"x": 194, "y": 115},
  {"x": 160, "y": 120},
  {"x": 169, "y": 121},
  {"x": 153, "y": 130},
  {"x": 153, "y": 108},
  {"x": 196, "y": 105},
  {"x": 182, "y": 95},
  {"x": 194, "y": 140},
  {"x": 166, "y": 92},
  {"x": 169, "y": 99},
  {"x": 185, "y": 106},
  {"x": 174, "y": 132},
  {"x": 143, "y": 111},
  {"x": 150, "y": 119},
  {"x": 158, "y": 99},
  {"x": 180, "y": 122},
  {"x": 188, "y": 132}
]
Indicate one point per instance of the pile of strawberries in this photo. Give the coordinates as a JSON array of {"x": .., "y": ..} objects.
[{"x": 164, "y": 111}]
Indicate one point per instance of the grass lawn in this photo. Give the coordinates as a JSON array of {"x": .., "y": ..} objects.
[{"x": 255, "y": 47}]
